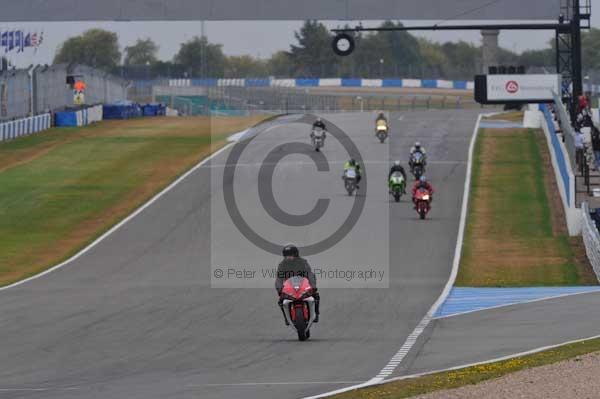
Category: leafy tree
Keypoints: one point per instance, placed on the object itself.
(245, 66)
(96, 48)
(590, 43)
(463, 59)
(143, 52)
(538, 58)
(432, 57)
(313, 55)
(201, 58)
(280, 64)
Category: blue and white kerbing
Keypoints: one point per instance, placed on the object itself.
(327, 82)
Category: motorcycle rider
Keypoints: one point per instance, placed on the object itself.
(352, 164)
(381, 118)
(397, 167)
(293, 265)
(417, 148)
(318, 124)
(422, 183)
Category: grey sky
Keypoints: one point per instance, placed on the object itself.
(238, 37)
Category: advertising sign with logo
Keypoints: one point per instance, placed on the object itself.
(522, 87)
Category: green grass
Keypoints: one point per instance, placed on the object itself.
(61, 189)
(510, 239)
(470, 375)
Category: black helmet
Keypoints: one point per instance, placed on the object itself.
(352, 162)
(290, 250)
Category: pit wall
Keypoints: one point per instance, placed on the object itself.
(563, 172)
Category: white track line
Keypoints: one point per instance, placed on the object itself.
(121, 223)
(243, 384)
(36, 389)
(412, 338)
(498, 359)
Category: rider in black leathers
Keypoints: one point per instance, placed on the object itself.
(319, 124)
(293, 265)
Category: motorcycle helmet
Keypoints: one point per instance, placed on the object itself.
(290, 250)
(352, 162)
(396, 163)
(423, 179)
(418, 145)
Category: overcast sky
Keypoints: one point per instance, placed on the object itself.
(255, 38)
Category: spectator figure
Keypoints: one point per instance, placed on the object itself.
(596, 146)
(583, 104)
(595, 214)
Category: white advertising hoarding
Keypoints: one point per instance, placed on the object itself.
(522, 87)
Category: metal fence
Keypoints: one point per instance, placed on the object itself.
(14, 94)
(305, 99)
(591, 239)
(42, 89)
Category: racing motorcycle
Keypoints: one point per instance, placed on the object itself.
(318, 138)
(299, 305)
(422, 201)
(397, 185)
(350, 180)
(381, 131)
(418, 165)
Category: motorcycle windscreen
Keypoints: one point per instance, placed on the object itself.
(351, 173)
(397, 177)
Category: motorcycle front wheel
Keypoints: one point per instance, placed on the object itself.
(300, 324)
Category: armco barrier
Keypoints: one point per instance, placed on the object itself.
(121, 111)
(327, 82)
(24, 127)
(83, 117)
(591, 239)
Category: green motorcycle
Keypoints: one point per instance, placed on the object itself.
(397, 185)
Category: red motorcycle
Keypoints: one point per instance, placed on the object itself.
(422, 200)
(299, 305)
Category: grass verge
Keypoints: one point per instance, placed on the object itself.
(514, 237)
(61, 189)
(471, 375)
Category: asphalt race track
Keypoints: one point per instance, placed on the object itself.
(136, 316)
(505, 331)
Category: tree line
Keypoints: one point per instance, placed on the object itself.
(377, 55)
